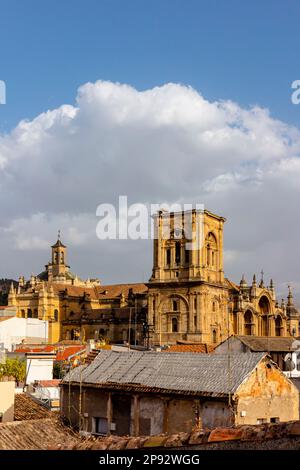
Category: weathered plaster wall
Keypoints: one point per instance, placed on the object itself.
(267, 394)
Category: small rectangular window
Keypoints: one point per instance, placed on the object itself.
(261, 420)
(274, 420)
(100, 426)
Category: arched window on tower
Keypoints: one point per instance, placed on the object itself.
(175, 305)
(174, 325)
(62, 258)
(211, 250)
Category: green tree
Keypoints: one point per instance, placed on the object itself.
(13, 368)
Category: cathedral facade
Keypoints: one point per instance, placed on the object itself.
(190, 299)
(79, 310)
(187, 298)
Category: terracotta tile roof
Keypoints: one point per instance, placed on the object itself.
(101, 292)
(48, 383)
(50, 434)
(64, 354)
(36, 434)
(115, 290)
(74, 291)
(26, 408)
(190, 348)
(47, 348)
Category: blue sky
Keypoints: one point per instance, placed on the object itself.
(173, 143)
(244, 51)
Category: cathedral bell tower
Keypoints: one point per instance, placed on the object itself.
(58, 264)
(188, 246)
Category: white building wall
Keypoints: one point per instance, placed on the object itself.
(38, 369)
(14, 330)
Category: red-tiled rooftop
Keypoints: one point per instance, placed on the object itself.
(190, 348)
(32, 349)
(26, 408)
(64, 354)
(48, 383)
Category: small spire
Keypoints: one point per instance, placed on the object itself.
(261, 285)
(243, 282)
(271, 284)
(12, 289)
(290, 302)
(58, 234)
(254, 280)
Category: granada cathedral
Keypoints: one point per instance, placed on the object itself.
(187, 298)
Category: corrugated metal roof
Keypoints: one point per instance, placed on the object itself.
(185, 372)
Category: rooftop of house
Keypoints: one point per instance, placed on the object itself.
(188, 373)
(27, 409)
(51, 434)
(268, 343)
(190, 348)
(36, 434)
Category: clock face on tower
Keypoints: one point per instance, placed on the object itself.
(178, 233)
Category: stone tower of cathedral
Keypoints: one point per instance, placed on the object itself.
(188, 296)
(189, 299)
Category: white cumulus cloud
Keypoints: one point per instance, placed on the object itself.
(163, 144)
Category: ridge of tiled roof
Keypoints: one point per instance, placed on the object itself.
(267, 343)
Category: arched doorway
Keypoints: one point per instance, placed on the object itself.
(248, 323)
